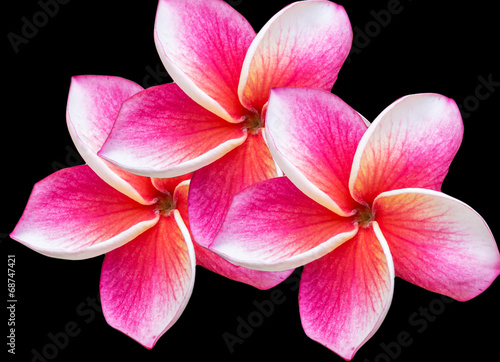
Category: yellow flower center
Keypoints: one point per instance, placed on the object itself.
(253, 123)
(165, 204)
(364, 216)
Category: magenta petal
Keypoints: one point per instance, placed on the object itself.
(345, 295)
(438, 242)
(303, 45)
(313, 136)
(273, 226)
(213, 187)
(211, 261)
(410, 144)
(161, 132)
(73, 214)
(256, 278)
(93, 104)
(146, 284)
(202, 45)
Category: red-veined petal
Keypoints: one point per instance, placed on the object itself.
(303, 45)
(437, 242)
(202, 45)
(410, 144)
(74, 214)
(313, 136)
(345, 295)
(93, 103)
(161, 132)
(146, 284)
(213, 187)
(273, 226)
(215, 263)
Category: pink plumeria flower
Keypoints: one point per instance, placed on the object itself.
(360, 206)
(139, 222)
(211, 120)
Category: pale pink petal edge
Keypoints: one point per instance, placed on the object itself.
(392, 276)
(356, 163)
(187, 85)
(181, 168)
(97, 164)
(94, 250)
(187, 237)
(297, 177)
(293, 262)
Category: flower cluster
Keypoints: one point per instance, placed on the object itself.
(249, 166)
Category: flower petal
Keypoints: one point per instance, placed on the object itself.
(345, 295)
(213, 187)
(93, 103)
(410, 144)
(438, 242)
(202, 45)
(259, 279)
(73, 214)
(273, 226)
(313, 135)
(169, 185)
(303, 45)
(160, 132)
(213, 262)
(147, 283)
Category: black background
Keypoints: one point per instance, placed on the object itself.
(423, 48)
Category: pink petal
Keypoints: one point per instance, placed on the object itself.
(345, 295)
(93, 103)
(213, 187)
(273, 226)
(73, 214)
(410, 144)
(170, 184)
(161, 132)
(202, 45)
(303, 45)
(438, 242)
(259, 279)
(213, 262)
(147, 283)
(313, 136)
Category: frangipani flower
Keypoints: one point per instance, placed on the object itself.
(369, 208)
(139, 222)
(211, 120)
